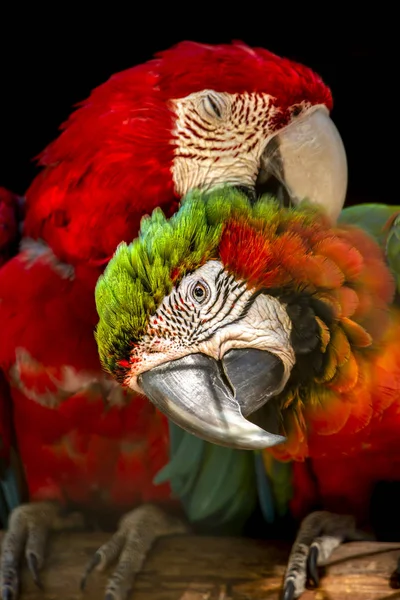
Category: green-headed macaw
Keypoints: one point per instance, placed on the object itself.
(273, 329)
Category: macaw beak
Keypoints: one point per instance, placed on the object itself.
(308, 159)
(211, 398)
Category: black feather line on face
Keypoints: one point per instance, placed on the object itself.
(302, 309)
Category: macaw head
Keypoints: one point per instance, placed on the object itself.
(196, 116)
(236, 317)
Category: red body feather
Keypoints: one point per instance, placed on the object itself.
(74, 448)
(110, 166)
(364, 450)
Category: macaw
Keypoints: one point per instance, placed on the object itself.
(196, 116)
(269, 328)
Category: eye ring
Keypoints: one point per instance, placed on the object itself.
(213, 106)
(200, 291)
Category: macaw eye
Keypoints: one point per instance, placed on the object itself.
(200, 292)
(213, 105)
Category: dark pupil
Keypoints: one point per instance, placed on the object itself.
(214, 106)
(199, 292)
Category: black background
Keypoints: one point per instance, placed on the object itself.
(51, 60)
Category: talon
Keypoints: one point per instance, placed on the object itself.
(319, 534)
(7, 594)
(93, 563)
(128, 547)
(312, 569)
(34, 570)
(288, 592)
(395, 577)
(394, 580)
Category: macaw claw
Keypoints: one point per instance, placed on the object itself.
(33, 566)
(129, 546)
(28, 529)
(31, 524)
(312, 566)
(27, 533)
(319, 534)
(395, 577)
(288, 592)
(92, 564)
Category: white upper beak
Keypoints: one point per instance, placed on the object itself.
(312, 161)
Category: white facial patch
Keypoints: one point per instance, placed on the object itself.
(219, 138)
(211, 312)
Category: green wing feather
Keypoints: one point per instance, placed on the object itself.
(217, 485)
(382, 222)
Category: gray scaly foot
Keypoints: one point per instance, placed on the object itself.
(27, 533)
(129, 546)
(320, 533)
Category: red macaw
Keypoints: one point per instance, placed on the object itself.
(196, 116)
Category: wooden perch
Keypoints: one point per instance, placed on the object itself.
(203, 568)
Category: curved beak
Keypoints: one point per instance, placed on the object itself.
(309, 160)
(209, 398)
